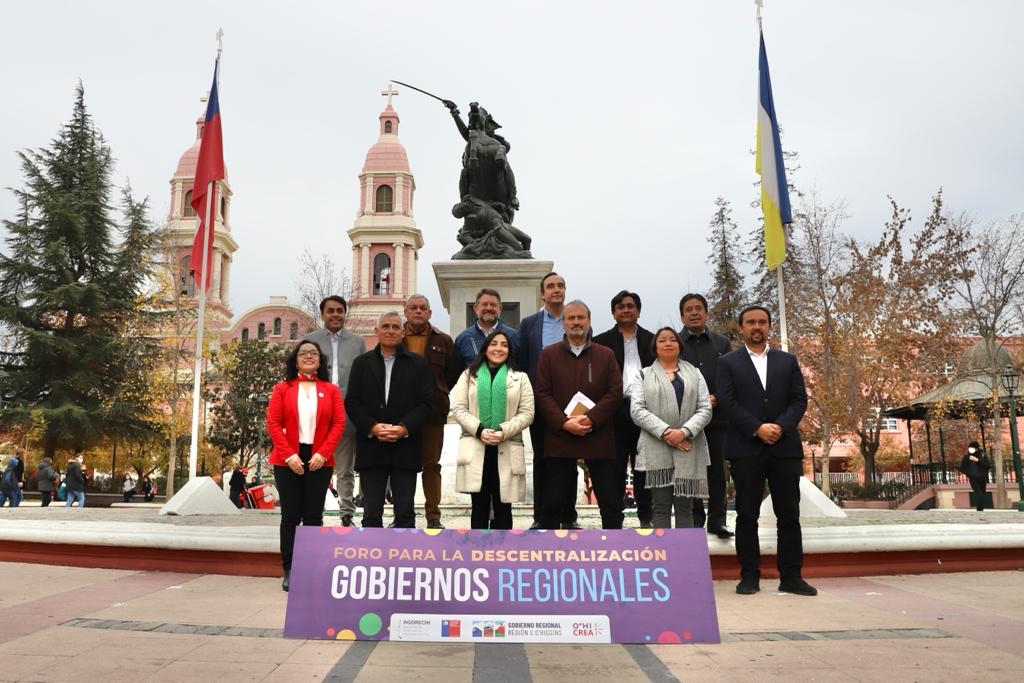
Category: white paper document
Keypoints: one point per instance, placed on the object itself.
(579, 404)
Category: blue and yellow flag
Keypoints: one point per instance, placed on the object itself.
(768, 164)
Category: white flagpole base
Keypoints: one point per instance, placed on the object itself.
(813, 503)
(200, 496)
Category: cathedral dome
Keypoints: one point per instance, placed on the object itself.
(387, 154)
(190, 157)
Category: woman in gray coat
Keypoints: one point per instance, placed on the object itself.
(493, 402)
(46, 480)
(669, 403)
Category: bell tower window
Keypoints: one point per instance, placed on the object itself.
(187, 210)
(387, 126)
(381, 275)
(385, 199)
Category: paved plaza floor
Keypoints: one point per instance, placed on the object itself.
(65, 623)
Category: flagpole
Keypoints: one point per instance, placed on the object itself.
(783, 332)
(197, 373)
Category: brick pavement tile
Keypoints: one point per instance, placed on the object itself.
(424, 655)
(568, 662)
(235, 649)
(318, 652)
(185, 670)
(124, 668)
(412, 674)
(289, 673)
(142, 644)
(795, 655)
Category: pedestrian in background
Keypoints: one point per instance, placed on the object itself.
(46, 480)
(975, 466)
(74, 484)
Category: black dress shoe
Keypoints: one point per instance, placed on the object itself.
(434, 524)
(346, 520)
(748, 586)
(572, 526)
(797, 587)
(536, 526)
(284, 582)
(721, 532)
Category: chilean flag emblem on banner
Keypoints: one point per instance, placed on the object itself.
(210, 168)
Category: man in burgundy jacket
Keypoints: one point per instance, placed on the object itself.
(577, 365)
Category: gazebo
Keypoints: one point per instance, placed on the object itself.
(967, 396)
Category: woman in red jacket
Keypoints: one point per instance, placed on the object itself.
(305, 418)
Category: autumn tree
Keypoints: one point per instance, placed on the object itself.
(987, 287)
(240, 382)
(822, 331)
(901, 314)
(728, 295)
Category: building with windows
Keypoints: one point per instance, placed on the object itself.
(385, 239)
(180, 232)
(276, 321)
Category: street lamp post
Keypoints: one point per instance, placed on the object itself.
(1011, 381)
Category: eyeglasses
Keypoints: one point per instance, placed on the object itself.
(309, 352)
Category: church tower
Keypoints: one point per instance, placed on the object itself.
(385, 239)
(181, 231)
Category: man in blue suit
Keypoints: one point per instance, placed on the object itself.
(536, 331)
(762, 392)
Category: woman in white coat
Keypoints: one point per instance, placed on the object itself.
(493, 402)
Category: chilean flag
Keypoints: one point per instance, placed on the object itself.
(209, 169)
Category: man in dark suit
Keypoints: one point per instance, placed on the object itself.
(632, 346)
(702, 349)
(536, 331)
(762, 393)
(390, 398)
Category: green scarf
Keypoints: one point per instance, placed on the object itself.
(490, 395)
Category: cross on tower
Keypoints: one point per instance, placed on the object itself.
(388, 93)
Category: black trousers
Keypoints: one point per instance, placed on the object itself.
(627, 435)
(488, 496)
(561, 483)
(302, 499)
(46, 496)
(374, 483)
(978, 485)
(568, 515)
(715, 516)
(783, 478)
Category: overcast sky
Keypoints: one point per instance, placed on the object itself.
(626, 119)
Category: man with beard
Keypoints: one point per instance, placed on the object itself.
(487, 310)
(702, 348)
(763, 395)
(633, 347)
(578, 430)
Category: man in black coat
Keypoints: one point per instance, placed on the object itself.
(762, 393)
(390, 398)
(702, 349)
(633, 349)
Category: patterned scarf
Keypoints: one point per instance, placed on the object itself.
(490, 395)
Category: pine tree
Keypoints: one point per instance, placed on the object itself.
(69, 293)
(727, 296)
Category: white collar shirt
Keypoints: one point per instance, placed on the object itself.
(760, 361)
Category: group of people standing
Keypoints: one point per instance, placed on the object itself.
(669, 403)
(48, 480)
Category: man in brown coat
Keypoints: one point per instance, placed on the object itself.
(563, 370)
(425, 340)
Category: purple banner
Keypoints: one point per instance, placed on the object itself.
(621, 586)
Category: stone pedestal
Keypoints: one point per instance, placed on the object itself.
(517, 280)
